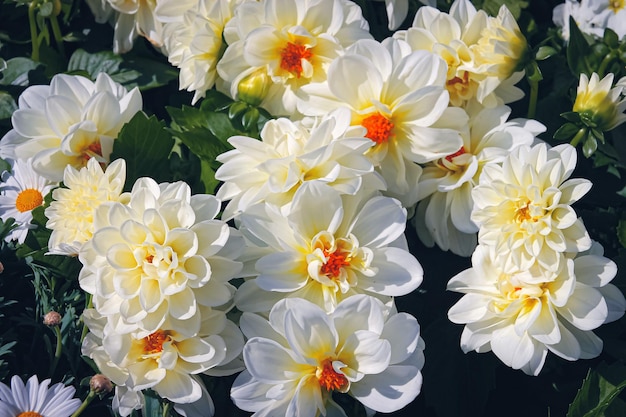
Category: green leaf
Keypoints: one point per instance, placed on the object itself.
(145, 145)
(610, 38)
(600, 388)
(590, 146)
(571, 116)
(17, 71)
(94, 63)
(621, 232)
(577, 50)
(545, 52)
(7, 105)
(566, 131)
(515, 6)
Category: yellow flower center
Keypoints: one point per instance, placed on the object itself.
(617, 5)
(28, 199)
(379, 128)
(94, 149)
(334, 262)
(329, 379)
(292, 56)
(29, 414)
(526, 212)
(153, 343)
(459, 85)
(450, 157)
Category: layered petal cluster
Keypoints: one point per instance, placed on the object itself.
(71, 213)
(521, 316)
(193, 41)
(68, 122)
(329, 247)
(591, 16)
(292, 42)
(298, 359)
(37, 398)
(130, 19)
(443, 215)
(22, 190)
(399, 97)
(165, 360)
(159, 257)
(291, 154)
(598, 103)
(523, 207)
(482, 52)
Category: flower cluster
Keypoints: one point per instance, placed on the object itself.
(263, 230)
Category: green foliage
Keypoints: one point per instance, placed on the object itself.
(577, 50)
(145, 144)
(493, 6)
(600, 389)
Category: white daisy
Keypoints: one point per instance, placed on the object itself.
(22, 191)
(37, 400)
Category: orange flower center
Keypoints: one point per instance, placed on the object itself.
(379, 128)
(153, 343)
(617, 5)
(92, 150)
(29, 414)
(28, 199)
(450, 157)
(292, 56)
(329, 379)
(334, 262)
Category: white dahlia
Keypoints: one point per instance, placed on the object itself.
(523, 207)
(159, 257)
(68, 122)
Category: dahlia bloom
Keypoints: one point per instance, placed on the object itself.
(22, 190)
(291, 154)
(475, 47)
(398, 96)
(68, 122)
(443, 215)
(162, 255)
(70, 214)
(192, 35)
(329, 247)
(164, 360)
(520, 316)
(598, 103)
(301, 356)
(293, 42)
(35, 399)
(523, 207)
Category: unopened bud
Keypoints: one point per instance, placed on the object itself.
(1, 267)
(254, 87)
(52, 319)
(100, 384)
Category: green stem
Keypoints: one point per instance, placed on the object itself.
(58, 351)
(582, 132)
(33, 31)
(532, 101)
(605, 64)
(58, 37)
(166, 409)
(88, 400)
(88, 304)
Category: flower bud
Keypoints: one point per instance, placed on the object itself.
(52, 319)
(598, 105)
(1, 267)
(100, 384)
(254, 87)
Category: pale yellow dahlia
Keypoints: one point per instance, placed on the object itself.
(159, 257)
(70, 214)
(523, 207)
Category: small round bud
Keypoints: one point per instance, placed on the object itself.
(254, 87)
(1, 267)
(100, 384)
(52, 319)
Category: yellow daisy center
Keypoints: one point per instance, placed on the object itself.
(28, 199)
(153, 343)
(617, 5)
(292, 56)
(379, 128)
(329, 379)
(29, 414)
